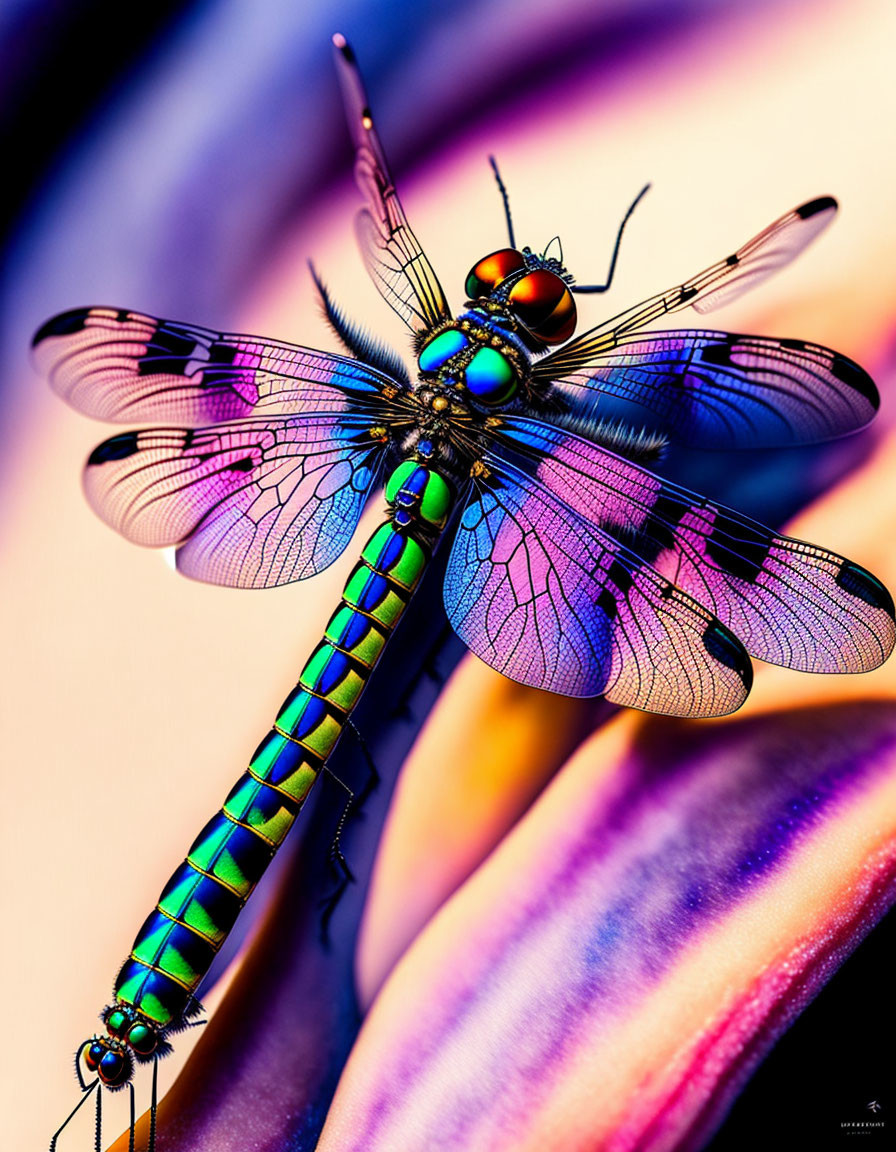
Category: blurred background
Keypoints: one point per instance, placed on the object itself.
(187, 159)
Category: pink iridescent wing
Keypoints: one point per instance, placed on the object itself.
(397, 264)
(714, 389)
(787, 601)
(551, 601)
(125, 366)
(249, 504)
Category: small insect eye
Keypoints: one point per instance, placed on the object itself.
(490, 377)
(484, 277)
(542, 302)
(92, 1054)
(115, 1068)
(142, 1039)
(117, 1023)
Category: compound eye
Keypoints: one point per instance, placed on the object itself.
(542, 302)
(441, 349)
(117, 1023)
(92, 1054)
(484, 277)
(490, 377)
(142, 1039)
(115, 1068)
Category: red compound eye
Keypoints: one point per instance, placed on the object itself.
(542, 302)
(484, 277)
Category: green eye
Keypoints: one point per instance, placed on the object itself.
(440, 350)
(490, 377)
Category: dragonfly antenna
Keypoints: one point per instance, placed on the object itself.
(505, 198)
(625, 219)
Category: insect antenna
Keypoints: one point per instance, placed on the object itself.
(505, 198)
(90, 1088)
(625, 219)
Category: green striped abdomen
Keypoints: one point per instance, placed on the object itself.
(200, 903)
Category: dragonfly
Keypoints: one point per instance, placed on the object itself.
(573, 566)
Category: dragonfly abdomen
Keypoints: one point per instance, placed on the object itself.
(199, 905)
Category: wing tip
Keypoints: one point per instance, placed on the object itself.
(724, 647)
(343, 48)
(858, 581)
(814, 207)
(854, 376)
(62, 324)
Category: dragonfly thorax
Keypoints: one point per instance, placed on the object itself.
(476, 357)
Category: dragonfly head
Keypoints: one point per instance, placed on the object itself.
(107, 1059)
(533, 288)
(130, 1036)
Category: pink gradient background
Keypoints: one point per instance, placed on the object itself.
(130, 698)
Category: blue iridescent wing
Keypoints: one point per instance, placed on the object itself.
(397, 264)
(712, 389)
(722, 390)
(124, 366)
(789, 602)
(556, 603)
(250, 504)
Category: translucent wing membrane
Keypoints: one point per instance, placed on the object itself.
(396, 262)
(722, 390)
(252, 504)
(553, 602)
(719, 284)
(125, 366)
(789, 602)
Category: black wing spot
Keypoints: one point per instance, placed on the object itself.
(724, 646)
(855, 377)
(813, 207)
(620, 576)
(733, 260)
(65, 324)
(168, 353)
(794, 345)
(116, 448)
(738, 547)
(687, 294)
(219, 353)
(606, 601)
(242, 465)
(718, 354)
(122, 315)
(859, 582)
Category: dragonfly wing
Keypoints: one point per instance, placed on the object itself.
(396, 262)
(773, 248)
(722, 390)
(555, 603)
(250, 504)
(126, 366)
(789, 602)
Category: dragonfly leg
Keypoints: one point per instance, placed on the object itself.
(153, 1106)
(340, 864)
(133, 1123)
(98, 1140)
(373, 776)
(90, 1088)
